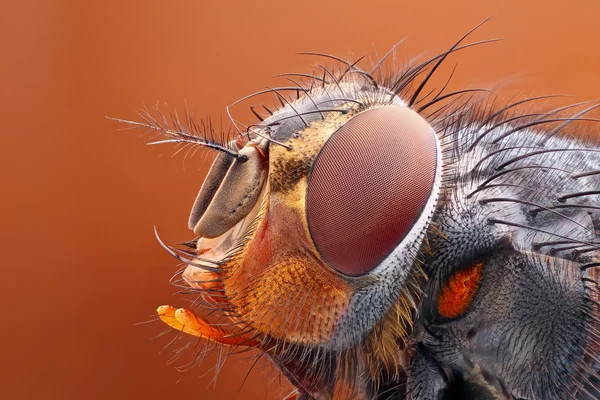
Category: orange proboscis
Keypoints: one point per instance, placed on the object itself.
(188, 322)
(458, 293)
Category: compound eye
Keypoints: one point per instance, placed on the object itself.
(368, 187)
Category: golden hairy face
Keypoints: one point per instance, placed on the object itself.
(313, 220)
(322, 229)
(308, 226)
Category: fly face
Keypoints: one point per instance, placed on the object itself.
(308, 228)
(313, 231)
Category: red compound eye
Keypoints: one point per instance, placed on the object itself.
(369, 185)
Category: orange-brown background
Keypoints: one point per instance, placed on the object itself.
(79, 198)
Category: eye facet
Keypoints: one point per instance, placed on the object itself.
(369, 185)
(458, 293)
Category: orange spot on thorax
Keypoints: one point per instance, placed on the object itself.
(458, 293)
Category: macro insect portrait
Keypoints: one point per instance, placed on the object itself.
(376, 237)
(330, 200)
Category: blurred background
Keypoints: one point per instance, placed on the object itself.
(79, 199)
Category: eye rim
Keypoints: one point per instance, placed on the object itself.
(415, 232)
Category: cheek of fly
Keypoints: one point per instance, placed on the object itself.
(458, 293)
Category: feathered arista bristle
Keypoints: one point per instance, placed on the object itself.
(189, 133)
